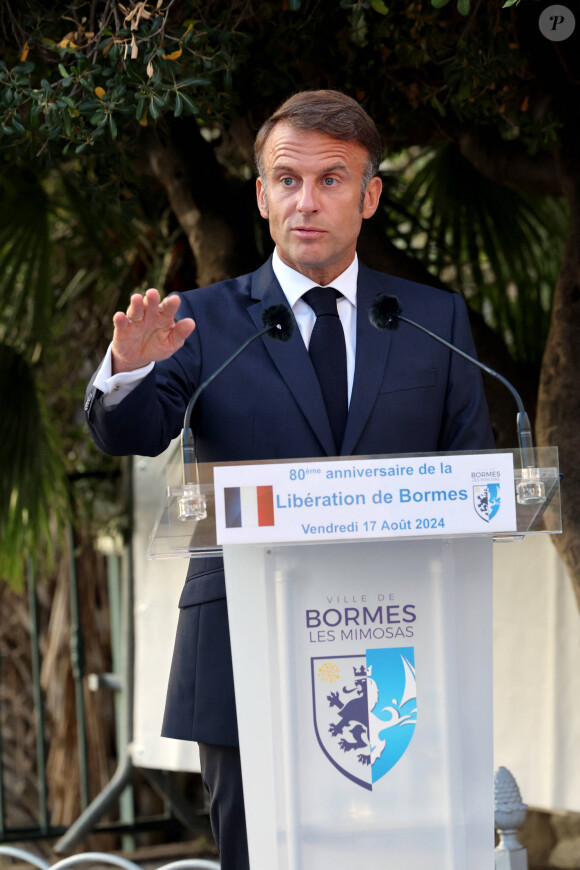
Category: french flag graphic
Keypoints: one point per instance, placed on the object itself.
(249, 506)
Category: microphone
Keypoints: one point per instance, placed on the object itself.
(385, 313)
(277, 324)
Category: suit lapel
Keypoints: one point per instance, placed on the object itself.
(372, 349)
(291, 358)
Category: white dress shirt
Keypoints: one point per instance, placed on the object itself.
(293, 284)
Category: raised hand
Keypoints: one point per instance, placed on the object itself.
(148, 331)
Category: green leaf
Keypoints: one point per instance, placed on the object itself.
(178, 105)
(380, 7)
(24, 68)
(188, 102)
(438, 105)
(112, 127)
(439, 4)
(63, 71)
(153, 108)
(465, 89)
(192, 82)
(34, 118)
(463, 6)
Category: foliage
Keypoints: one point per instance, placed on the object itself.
(463, 6)
(31, 484)
(77, 76)
(81, 85)
(84, 85)
(64, 243)
(499, 247)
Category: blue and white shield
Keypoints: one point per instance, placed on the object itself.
(486, 500)
(365, 710)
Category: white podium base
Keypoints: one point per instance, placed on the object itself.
(402, 630)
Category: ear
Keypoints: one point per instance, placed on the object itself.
(372, 196)
(261, 198)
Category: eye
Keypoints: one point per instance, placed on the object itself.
(287, 181)
(330, 182)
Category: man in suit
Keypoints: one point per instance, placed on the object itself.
(383, 392)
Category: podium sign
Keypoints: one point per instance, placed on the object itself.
(371, 498)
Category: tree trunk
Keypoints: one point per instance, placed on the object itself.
(205, 205)
(558, 412)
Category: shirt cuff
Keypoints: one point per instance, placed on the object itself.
(115, 387)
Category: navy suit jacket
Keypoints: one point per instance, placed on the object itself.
(410, 395)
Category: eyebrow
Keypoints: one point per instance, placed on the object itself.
(334, 167)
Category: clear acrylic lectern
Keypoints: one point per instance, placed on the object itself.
(360, 605)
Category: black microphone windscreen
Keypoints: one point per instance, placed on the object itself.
(278, 319)
(383, 312)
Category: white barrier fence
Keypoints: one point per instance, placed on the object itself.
(101, 858)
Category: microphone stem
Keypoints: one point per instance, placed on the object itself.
(523, 423)
(188, 445)
(188, 457)
(201, 388)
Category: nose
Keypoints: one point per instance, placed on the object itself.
(307, 202)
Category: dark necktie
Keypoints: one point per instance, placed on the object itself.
(327, 351)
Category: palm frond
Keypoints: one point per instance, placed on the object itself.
(500, 247)
(25, 291)
(33, 489)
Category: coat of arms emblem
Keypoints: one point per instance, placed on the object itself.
(486, 500)
(365, 710)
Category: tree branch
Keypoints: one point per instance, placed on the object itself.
(509, 163)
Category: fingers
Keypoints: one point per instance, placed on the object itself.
(170, 306)
(148, 331)
(184, 328)
(139, 305)
(147, 307)
(148, 315)
(152, 304)
(120, 321)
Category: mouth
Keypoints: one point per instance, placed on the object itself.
(308, 232)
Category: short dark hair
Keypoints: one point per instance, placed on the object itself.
(330, 112)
